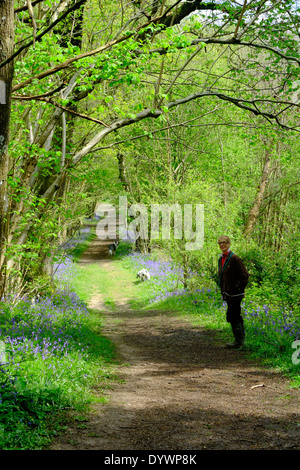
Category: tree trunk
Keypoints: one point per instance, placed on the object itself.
(6, 76)
(122, 172)
(254, 212)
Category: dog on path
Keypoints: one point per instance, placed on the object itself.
(112, 248)
(143, 275)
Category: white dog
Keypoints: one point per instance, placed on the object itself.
(143, 274)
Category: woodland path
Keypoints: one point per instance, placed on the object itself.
(181, 389)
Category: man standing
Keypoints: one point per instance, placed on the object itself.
(233, 278)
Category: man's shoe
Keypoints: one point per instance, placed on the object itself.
(234, 345)
(239, 336)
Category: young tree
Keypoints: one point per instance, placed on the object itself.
(6, 77)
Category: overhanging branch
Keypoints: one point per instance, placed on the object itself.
(162, 50)
(74, 7)
(240, 103)
(150, 113)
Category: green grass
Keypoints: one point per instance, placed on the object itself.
(93, 279)
(80, 248)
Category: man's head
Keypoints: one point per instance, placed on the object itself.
(224, 243)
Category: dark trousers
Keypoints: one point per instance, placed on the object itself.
(234, 312)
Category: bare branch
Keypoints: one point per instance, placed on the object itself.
(31, 14)
(57, 105)
(25, 7)
(240, 103)
(240, 19)
(150, 113)
(231, 41)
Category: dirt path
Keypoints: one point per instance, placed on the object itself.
(182, 390)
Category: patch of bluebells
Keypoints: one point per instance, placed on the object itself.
(64, 269)
(164, 284)
(156, 268)
(165, 275)
(166, 279)
(197, 297)
(79, 237)
(48, 329)
(281, 325)
(43, 334)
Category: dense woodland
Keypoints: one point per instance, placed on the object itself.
(160, 100)
(164, 102)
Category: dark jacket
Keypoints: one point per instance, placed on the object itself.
(233, 277)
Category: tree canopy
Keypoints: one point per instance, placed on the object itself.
(188, 100)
